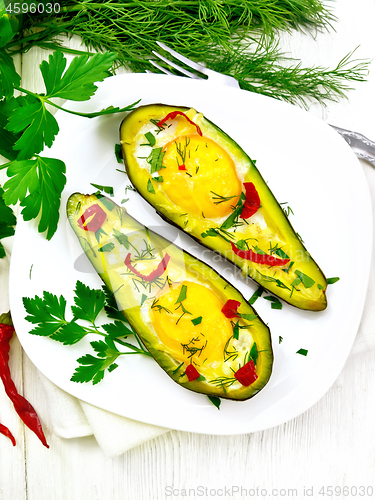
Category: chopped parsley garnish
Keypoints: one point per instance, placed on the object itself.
(104, 189)
(197, 321)
(215, 401)
(151, 139)
(304, 279)
(258, 292)
(150, 187)
(118, 153)
(108, 247)
(303, 352)
(280, 339)
(156, 159)
(276, 304)
(158, 178)
(232, 220)
(330, 281)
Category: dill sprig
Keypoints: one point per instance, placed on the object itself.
(235, 37)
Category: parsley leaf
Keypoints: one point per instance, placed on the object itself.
(276, 304)
(77, 83)
(48, 312)
(215, 401)
(88, 302)
(9, 78)
(7, 222)
(38, 127)
(306, 280)
(330, 281)
(303, 352)
(37, 184)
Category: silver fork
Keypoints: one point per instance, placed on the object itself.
(362, 147)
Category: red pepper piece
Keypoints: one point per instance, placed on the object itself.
(172, 116)
(246, 375)
(154, 274)
(182, 167)
(252, 201)
(4, 430)
(258, 258)
(192, 373)
(24, 409)
(230, 307)
(98, 217)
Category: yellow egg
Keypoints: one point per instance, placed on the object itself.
(200, 176)
(202, 343)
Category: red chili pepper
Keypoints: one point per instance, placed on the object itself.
(98, 217)
(246, 375)
(155, 273)
(259, 258)
(230, 307)
(172, 116)
(192, 373)
(252, 201)
(182, 167)
(24, 409)
(4, 430)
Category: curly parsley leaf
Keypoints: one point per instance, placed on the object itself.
(37, 184)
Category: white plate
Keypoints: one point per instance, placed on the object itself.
(305, 163)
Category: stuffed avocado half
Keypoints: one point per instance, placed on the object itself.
(200, 180)
(194, 323)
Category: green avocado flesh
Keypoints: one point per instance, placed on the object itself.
(201, 181)
(175, 303)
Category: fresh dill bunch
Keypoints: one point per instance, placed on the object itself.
(235, 37)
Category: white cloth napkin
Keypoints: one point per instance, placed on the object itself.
(72, 418)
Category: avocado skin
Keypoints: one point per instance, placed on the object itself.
(307, 299)
(196, 267)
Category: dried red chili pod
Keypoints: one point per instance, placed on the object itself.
(24, 409)
(92, 219)
(172, 116)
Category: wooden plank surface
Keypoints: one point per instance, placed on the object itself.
(332, 444)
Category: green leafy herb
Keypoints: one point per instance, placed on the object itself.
(108, 247)
(151, 139)
(156, 159)
(280, 339)
(258, 293)
(304, 279)
(303, 352)
(215, 401)
(197, 321)
(27, 126)
(118, 153)
(217, 198)
(254, 353)
(150, 187)
(232, 220)
(37, 184)
(158, 178)
(182, 294)
(7, 222)
(105, 189)
(276, 304)
(330, 281)
(238, 38)
(49, 314)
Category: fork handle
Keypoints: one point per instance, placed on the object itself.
(362, 146)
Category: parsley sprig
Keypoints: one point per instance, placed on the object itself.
(27, 126)
(48, 313)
